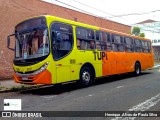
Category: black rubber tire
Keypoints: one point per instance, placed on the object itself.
(86, 77)
(137, 69)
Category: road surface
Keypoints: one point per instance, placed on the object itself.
(115, 93)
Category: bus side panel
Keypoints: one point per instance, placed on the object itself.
(150, 62)
(121, 62)
(144, 59)
(140, 58)
(97, 66)
(109, 64)
(89, 56)
(130, 61)
(137, 57)
(147, 60)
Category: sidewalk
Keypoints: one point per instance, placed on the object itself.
(10, 85)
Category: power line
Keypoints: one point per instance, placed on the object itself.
(94, 8)
(97, 10)
(101, 11)
(86, 12)
(140, 13)
(113, 16)
(77, 8)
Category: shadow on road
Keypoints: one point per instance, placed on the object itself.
(114, 78)
(59, 89)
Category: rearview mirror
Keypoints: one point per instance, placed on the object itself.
(8, 42)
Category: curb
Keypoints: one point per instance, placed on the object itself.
(6, 91)
(19, 88)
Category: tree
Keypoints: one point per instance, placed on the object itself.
(137, 32)
(142, 35)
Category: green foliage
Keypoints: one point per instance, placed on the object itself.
(137, 32)
(1, 87)
(142, 35)
(23, 87)
(15, 89)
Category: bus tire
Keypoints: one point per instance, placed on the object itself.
(86, 77)
(137, 69)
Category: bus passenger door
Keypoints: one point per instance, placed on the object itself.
(66, 68)
(62, 49)
(62, 71)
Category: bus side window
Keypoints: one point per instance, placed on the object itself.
(83, 45)
(121, 44)
(103, 41)
(86, 38)
(149, 46)
(138, 45)
(78, 44)
(117, 43)
(114, 45)
(65, 43)
(98, 40)
(109, 46)
(128, 44)
(144, 46)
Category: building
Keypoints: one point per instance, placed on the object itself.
(14, 11)
(151, 29)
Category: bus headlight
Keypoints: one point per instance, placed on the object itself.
(41, 69)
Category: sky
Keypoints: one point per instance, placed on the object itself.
(113, 9)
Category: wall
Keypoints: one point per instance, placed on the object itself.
(14, 11)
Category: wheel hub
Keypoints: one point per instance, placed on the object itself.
(137, 69)
(86, 76)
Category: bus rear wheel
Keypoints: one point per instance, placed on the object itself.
(137, 69)
(86, 77)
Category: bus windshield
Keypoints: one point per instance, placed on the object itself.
(31, 41)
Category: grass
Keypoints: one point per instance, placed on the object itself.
(1, 87)
(22, 87)
(15, 89)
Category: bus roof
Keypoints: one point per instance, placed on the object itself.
(72, 22)
(96, 28)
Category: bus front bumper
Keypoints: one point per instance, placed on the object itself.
(41, 78)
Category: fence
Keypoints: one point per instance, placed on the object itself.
(156, 50)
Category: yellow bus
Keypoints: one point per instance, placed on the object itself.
(52, 50)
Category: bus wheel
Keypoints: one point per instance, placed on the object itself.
(86, 77)
(137, 69)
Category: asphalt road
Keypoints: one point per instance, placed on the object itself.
(115, 93)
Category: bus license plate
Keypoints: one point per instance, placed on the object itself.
(24, 78)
